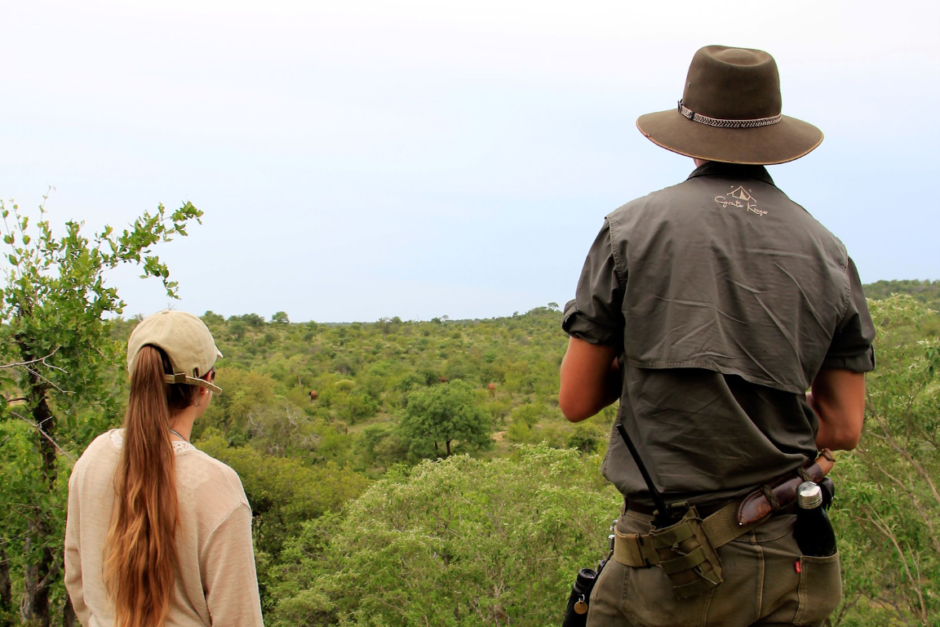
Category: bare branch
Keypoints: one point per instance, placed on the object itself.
(916, 465)
(44, 434)
(909, 490)
(883, 527)
(897, 608)
(848, 605)
(36, 374)
(38, 360)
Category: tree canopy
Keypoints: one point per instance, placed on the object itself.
(442, 414)
(457, 542)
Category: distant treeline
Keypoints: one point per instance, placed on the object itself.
(927, 292)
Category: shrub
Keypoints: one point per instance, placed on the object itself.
(457, 542)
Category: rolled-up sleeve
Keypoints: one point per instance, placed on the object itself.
(595, 314)
(851, 347)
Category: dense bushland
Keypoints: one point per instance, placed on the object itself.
(406, 472)
(459, 541)
(888, 514)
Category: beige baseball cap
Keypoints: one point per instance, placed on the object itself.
(185, 339)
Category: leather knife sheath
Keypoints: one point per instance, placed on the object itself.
(757, 506)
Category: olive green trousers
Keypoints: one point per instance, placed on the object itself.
(766, 582)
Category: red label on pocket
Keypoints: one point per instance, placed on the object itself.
(797, 567)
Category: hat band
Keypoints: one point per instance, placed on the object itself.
(719, 123)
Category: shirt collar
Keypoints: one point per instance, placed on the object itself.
(736, 170)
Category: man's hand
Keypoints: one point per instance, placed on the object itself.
(590, 379)
(838, 398)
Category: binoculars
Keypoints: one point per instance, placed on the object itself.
(576, 611)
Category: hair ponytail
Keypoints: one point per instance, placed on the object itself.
(140, 550)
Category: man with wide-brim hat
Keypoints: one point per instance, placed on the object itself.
(708, 309)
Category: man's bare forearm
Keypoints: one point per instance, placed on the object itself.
(590, 380)
(838, 399)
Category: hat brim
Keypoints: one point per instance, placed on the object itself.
(784, 141)
(186, 380)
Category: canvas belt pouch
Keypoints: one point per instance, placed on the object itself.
(686, 551)
(683, 551)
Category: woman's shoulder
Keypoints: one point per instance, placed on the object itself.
(97, 462)
(208, 476)
(108, 441)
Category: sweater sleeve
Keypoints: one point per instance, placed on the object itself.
(73, 555)
(228, 564)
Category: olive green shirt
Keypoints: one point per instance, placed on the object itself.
(725, 299)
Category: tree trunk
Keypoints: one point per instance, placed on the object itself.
(39, 575)
(68, 614)
(6, 585)
(448, 448)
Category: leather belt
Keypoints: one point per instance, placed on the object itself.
(768, 500)
(704, 510)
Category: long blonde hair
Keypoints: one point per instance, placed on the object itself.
(140, 550)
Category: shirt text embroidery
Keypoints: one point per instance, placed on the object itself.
(742, 199)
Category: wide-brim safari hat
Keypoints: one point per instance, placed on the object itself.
(731, 112)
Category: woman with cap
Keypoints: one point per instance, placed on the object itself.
(159, 533)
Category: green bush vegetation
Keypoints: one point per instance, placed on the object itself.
(888, 514)
(927, 292)
(459, 541)
(403, 472)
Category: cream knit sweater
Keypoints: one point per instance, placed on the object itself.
(216, 582)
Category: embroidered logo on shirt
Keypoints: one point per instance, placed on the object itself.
(741, 198)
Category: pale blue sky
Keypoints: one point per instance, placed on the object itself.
(365, 159)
